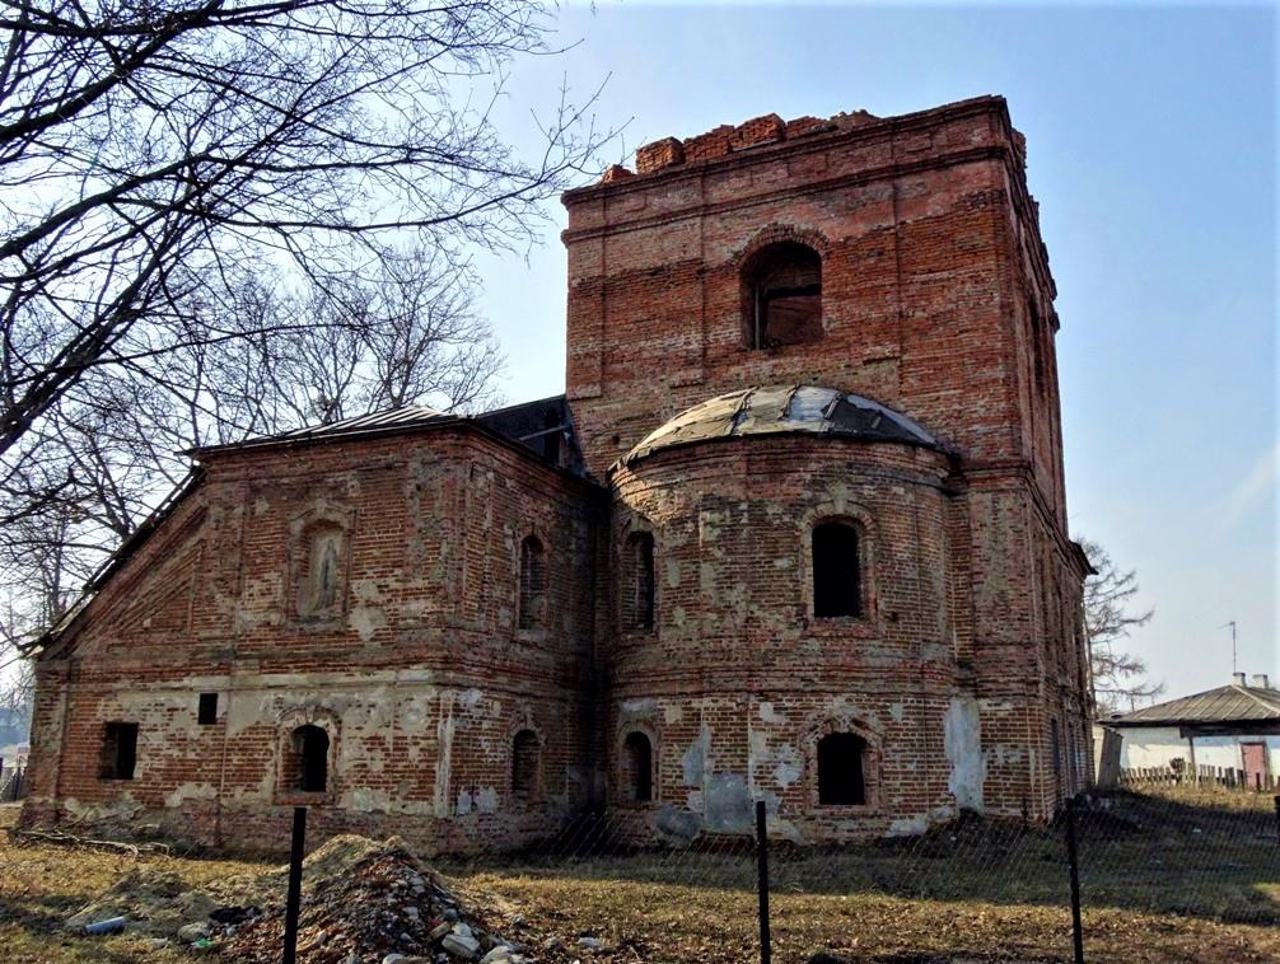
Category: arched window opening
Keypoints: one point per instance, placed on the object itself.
(784, 295)
(533, 583)
(321, 590)
(637, 767)
(837, 575)
(638, 598)
(525, 754)
(310, 763)
(841, 781)
(1036, 336)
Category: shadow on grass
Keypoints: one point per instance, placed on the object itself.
(31, 929)
(1142, 852)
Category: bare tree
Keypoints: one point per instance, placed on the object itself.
(114, 444)
(151, 153)
(1119, 677)
(410, 337)
(221, 218)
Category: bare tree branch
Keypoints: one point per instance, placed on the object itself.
(1119, 678)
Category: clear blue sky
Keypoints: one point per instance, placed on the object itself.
(1152, 150)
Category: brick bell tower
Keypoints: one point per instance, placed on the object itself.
(897, 258)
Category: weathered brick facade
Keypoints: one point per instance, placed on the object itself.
(494, 633)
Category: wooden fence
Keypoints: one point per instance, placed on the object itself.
(13, 783)
(1203, 775)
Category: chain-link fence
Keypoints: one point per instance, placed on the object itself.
(1164, 873)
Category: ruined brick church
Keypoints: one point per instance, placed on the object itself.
(796, 531)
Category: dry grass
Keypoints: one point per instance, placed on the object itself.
(42, 885)
(1142, 905)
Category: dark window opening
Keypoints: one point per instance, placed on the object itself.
(784, 296)
(533, 583)
(311, 758)
(1037, 348)
(639, 601)
(637, 766)
(119, 751)
(524, 766)
(837, 577)
(840, 777)
(208, 711)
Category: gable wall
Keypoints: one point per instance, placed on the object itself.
(423, 679)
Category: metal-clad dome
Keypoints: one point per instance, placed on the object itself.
(784, 409)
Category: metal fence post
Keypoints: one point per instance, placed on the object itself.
(1277, 803)
(294, 900)
(1077, 930)
(762, 886)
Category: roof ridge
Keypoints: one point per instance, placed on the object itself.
(1248, 691)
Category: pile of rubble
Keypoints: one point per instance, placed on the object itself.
(380, 908)
(363, 902)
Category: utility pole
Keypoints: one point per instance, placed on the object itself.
(1232, 624)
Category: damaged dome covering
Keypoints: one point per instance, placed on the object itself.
(784, 409)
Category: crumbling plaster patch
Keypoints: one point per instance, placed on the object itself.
(368, 612)
(962, 741)
(769, 714)
(190, 791)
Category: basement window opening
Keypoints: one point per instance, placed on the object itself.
(207, 712)
(841, 781)
(837, 579)
(637, 764)
(119, 757)
(525, 754)
(533, 583)
(311, 758)
(783, 285)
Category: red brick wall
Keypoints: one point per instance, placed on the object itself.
(937, 301)
(422, 682)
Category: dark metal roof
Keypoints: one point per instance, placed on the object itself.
(785, 409)
(396, 419)
(1226, 704)
(543, 427)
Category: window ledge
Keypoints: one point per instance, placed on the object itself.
(637, 804)
(860, 627)
(304, 798)
(846, 809)
(330, 622)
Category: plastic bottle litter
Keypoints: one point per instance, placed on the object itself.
(112, 925)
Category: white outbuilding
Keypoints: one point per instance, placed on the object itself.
(1230, 733)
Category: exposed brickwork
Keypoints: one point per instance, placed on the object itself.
(370, 587)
